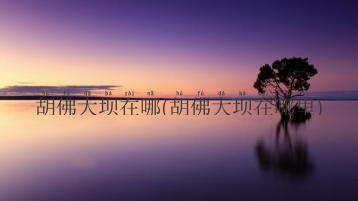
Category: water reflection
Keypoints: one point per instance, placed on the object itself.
(288, 155)
(177, 158)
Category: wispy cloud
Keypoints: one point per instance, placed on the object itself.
(26, 83)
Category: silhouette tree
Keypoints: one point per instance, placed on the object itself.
(285, 79)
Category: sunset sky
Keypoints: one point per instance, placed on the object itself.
(174, 45)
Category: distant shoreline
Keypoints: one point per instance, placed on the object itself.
(162, 98)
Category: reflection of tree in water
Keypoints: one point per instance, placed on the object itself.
(288, 156)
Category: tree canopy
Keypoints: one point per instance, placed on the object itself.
(285, 78)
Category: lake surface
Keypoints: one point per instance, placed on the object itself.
(236, 157)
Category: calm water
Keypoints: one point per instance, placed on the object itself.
(177, 158)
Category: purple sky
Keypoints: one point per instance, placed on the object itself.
(233, 36)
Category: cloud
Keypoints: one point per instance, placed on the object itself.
(75, 89)
(25, 83)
